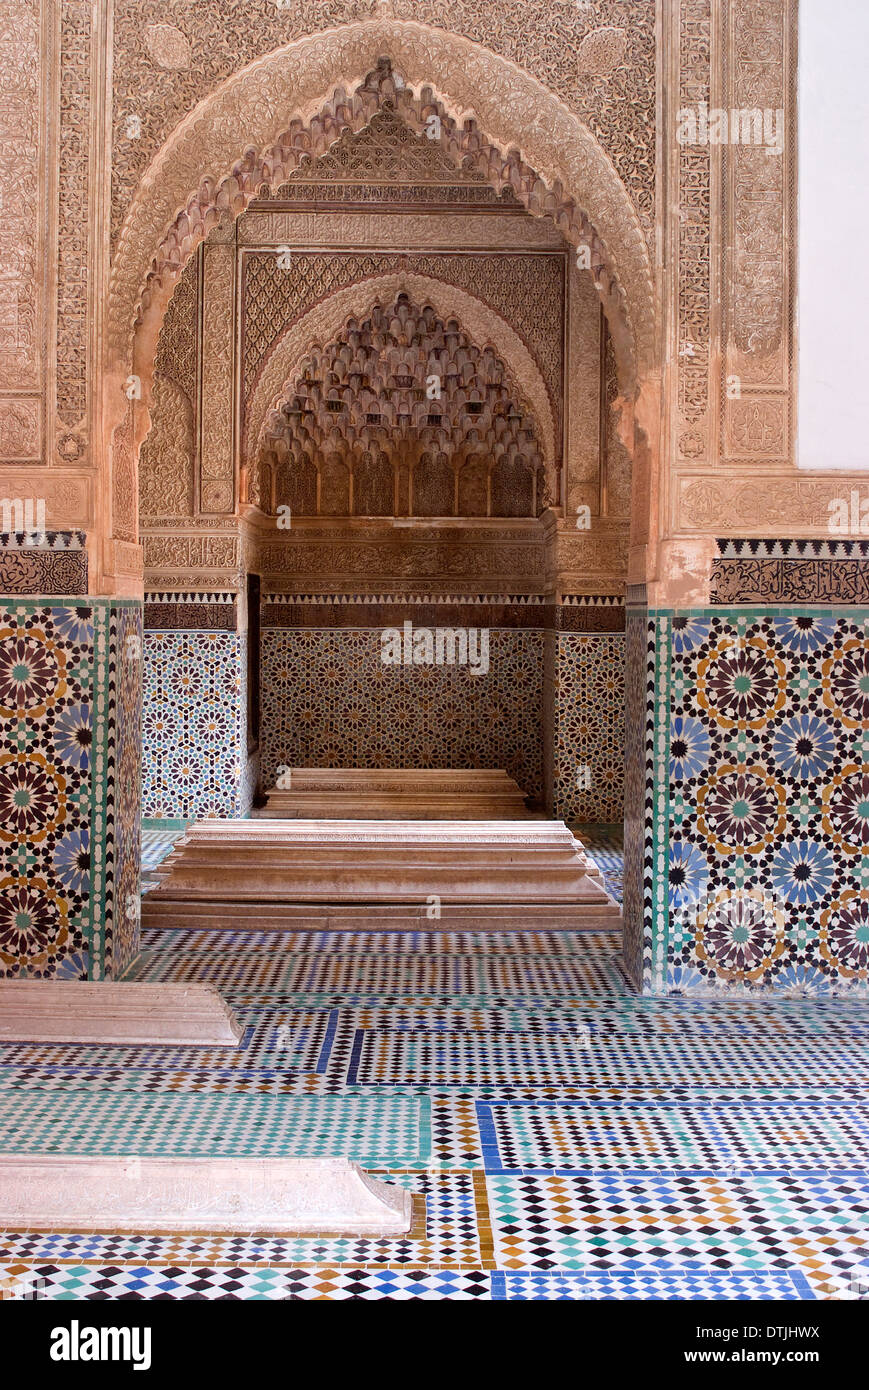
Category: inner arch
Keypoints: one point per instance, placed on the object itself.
(401, 414)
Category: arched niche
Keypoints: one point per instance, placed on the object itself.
(494, 112)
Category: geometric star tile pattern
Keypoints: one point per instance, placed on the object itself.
(714, 1136)
(763, 796)
(69, 832)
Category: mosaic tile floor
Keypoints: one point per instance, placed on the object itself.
(606, 845)
(563, 1138)
(156, 844)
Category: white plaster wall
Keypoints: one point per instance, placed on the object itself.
(833, 247)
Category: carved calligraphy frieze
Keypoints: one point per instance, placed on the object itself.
(414, 230)
(20, 429)
(783, 506)
(694, 286)
(193, 552)
(789, 581)
(420, 560)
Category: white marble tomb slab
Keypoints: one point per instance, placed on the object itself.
(81, 1011)
(269, 1196)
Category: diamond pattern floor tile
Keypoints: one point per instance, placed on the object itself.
(563, 1138)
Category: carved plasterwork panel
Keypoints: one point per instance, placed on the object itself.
(558, 129)
(734, 185)
(582, 464)
(275, 295)
(67, 496)
(758, 208)
(758, 428)
(417, 230)
(176, 355)
(384, 152)
(597, 58)
(782, 506)
(19, 194)
(166, 456)
(694, 287)
(583, 560)
(217, 490)
(571, 170)
(73, 194)
(434, 562)
(167, 47)
(617, 460)
(124, 480)
(525, 291)
(192, 552)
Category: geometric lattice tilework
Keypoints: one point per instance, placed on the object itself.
(328, 700)
(699, 1285)
(563, 1137)
(194, 750)
(590, 726)
(68, 691)
(48, 765)
(638, 910)
(125, 788)
(766, 794)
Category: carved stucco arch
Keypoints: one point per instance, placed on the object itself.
(255, 106)
(513, 112)
(324, 320)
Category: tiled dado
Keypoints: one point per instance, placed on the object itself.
(194, 725)
(328, 700)
(69, 786)
(750, 856)
(589, 720)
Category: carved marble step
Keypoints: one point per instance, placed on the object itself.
(78, 1011)
(220, 915)
(244, 1196)
(395, 793)
(325, 831)
(508, 866)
